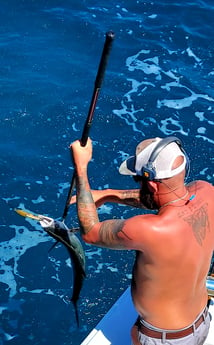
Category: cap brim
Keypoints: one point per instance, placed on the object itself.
(128, 166)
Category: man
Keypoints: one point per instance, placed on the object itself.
(174, 245)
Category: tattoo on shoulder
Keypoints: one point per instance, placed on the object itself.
(199, 222)
(110, 229)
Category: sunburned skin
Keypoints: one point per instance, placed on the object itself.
(174, 247)
(199, 222)
(129, 197)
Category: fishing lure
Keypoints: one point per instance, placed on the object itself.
(61, 233)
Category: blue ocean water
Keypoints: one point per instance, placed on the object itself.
(159, 81)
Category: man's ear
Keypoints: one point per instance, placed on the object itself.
(153, 187)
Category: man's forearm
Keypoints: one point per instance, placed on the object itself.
(87, 212)
(130, 197)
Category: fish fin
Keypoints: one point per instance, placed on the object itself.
(53, 246)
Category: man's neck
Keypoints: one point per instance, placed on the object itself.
(168, 195)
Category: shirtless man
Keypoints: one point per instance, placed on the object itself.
(173, 246)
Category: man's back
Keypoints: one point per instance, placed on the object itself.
(169, 275)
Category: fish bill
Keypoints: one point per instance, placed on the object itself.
(27, 214)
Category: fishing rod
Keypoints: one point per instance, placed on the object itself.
(97, 85)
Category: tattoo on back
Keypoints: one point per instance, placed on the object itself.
(199, 222)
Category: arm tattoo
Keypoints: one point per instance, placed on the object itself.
(199, 222)
(132, 198)
(109, 231)
(87, 212)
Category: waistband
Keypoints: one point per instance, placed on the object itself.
(171, 334)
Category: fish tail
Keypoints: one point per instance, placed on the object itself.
(76, 312)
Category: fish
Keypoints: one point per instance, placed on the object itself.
(61, 233)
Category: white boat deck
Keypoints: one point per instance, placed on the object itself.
(114, 328)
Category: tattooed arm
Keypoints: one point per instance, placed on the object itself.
(129, 197)
(108, 233)
(86, 207)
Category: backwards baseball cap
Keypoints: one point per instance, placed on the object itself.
(155, 160)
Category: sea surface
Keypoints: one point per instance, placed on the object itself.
(159, 81)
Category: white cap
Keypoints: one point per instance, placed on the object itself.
(161, 164)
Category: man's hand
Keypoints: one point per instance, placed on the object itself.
(81, 154)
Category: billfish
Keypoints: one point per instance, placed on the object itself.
(60, 232)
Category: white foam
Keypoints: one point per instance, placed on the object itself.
(14, 249)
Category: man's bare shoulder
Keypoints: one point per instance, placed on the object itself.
(143, 219)
(144, 225)
(201, 184)
(147, 230)
(203, 189)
